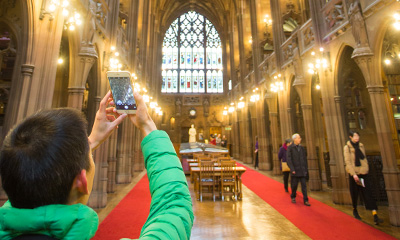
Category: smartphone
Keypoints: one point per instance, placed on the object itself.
(122, 91)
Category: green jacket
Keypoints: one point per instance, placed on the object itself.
(171, 214)
(67, 222)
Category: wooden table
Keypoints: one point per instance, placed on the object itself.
(195, 174)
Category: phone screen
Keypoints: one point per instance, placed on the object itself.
(122, 93)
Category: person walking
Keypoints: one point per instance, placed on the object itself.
(297, 161)
(256, 152)
(284, 166)
(359, 179)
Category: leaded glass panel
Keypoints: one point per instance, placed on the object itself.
(191, 48)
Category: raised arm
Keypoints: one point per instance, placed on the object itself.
(171, 214)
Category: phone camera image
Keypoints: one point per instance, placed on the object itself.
(122, 93)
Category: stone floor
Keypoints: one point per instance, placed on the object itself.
(251, 218)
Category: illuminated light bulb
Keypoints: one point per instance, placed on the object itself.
(72, 27)
(120, 65)
(313, 53)
(318, 61)
(116, 54)
(396, 16)
(311, 65)
(133, 74)
(321, 49)
(78, 22)
(65, 12)
(225, 112)
(397, 25)
(398, 55)
(77, 16)
(160, 113)
(251, 41)
(153, 105)
(311, 71)
(266, 16)
(391, 99)
(388, 62)
(317, 66)
(231, 109)
(135, 77)
(279, 75)
(325, 65)
(324, 60)
(112, 48)
(71, 19)
(65, 3)
(256, 89)
(275, 77)
(225, 108)
(52, 7)
(318, 87)
(232, 104)
(60, 61)
(144, 90)
(146, 98)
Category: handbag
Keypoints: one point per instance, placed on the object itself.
(285, 167)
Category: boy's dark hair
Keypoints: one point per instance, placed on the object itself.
(41, 157)
(351, 133)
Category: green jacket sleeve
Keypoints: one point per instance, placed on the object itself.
(171, 214)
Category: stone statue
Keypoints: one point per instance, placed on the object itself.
(206, 105)
(192, 134)
(358, 25)
(178, 107)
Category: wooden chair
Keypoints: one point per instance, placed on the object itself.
(201, 159)
(228, 178)
(198, 155)
(207, 178)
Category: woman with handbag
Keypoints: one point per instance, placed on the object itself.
(359, 180)
(284, 166)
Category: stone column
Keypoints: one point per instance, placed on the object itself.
(79, 72)
(275, 133)
(112, 161)
(246, 148)
(369, 66)
(313, 167)
(255, 47)
(263, 140)
(235, 138)
(123, 174)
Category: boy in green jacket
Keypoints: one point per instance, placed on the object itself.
(47, 171)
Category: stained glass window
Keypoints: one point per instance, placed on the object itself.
(192, 54)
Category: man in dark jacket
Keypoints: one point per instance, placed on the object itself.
(297, 161)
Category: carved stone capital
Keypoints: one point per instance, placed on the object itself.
(76, 90)
(88, 51)
(27, 69)
(306, 106)
(337, 99)
(377, 89)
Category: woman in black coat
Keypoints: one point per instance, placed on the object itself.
(282, 159)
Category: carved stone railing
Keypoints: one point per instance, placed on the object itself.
(287, 48)
(306, 37)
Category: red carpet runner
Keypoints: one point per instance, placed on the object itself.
(319, 221)
(128, 217)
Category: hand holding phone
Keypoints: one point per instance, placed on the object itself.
(122, 91)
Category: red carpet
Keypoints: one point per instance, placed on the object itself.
(128, 217)
(319, 221)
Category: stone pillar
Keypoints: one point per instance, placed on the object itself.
(246, 148)
(112, 161)
(263, 140)
(79, 72)
(255, 47)
(236, 135)
(369, 66)
(313, 167)
(242, 54)
(275, 133)
(98, 197)
(123, 174)
(336, 138)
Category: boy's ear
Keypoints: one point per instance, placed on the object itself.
(80, 182)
